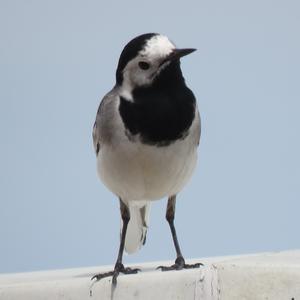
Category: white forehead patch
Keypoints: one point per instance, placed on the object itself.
(158, 45)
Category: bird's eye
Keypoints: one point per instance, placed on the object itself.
(144, 65)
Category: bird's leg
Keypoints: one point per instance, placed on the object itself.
(119, 267)
(179, 262)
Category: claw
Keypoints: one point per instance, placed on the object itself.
(131, 271)
(193, 266)
(102, 275)
(115, 273)
(177, 266)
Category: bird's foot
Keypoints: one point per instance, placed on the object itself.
(119, 268)
(179, 265)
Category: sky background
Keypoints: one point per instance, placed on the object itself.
(58, 59)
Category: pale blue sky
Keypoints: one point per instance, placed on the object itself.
(57, 60)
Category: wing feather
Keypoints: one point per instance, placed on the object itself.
(103, 127)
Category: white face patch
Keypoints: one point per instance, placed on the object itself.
(154, 52)
(157, 46)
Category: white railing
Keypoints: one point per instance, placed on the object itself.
(272, 276)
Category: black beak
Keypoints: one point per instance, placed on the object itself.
(178, 53)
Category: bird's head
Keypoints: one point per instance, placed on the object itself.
(145, 58)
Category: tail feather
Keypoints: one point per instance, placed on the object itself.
(137, 228)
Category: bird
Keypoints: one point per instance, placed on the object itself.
(145, 136)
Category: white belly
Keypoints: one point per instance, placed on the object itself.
(136, 172)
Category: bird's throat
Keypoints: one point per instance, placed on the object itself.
(158, 114)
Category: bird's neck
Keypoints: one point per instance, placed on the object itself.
(170, 77)
(165, 84)
(160, 113)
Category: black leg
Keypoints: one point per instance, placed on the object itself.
(119, 267)
(179, 262)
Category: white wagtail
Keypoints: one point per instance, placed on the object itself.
(146, 135)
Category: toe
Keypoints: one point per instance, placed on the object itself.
(193, 266)
(102, 275)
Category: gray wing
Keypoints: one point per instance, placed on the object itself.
(96, 138)
(196, 128)
(103, 126)
(198, 131)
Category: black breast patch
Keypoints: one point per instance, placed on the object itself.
(160, 116)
